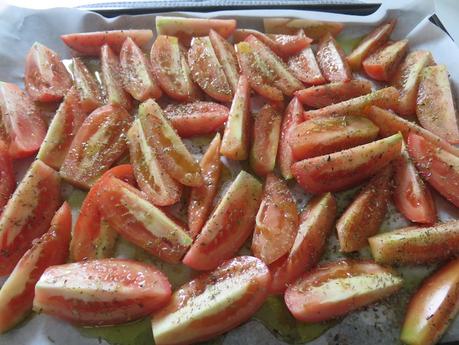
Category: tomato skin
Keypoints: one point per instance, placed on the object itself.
(347, 168)
(229, 225)
(315, 297)
(305, 68)
(243, 282)
(101, 292)
(314, 29)
(383, 63)
(432, 307)
(8, 181)
(86, 85)
(332, 60)
(28, 213)
(20, 118)
(88, 157)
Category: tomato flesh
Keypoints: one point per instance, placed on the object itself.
(304, 66)
(382, 64)
(86, 85)
(332, 60)
(315, 29)
(8, 181)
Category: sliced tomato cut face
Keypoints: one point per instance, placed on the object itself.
(46, 78)
(8, 181)
(344, 169)
(229, 225)
(16, 295)
(305, 68)
(337, 288)
(128, 211)
(28, 213)
(205, 307)
(86, 85)
(416, 245)
(196, 118)
(22, 126)
(332, 60)
(101, 292)
(90, 43)
(315, 29)
(136, 72)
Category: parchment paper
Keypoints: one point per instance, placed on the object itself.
(378, 324)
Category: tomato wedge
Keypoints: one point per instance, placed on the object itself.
(235, 142)
(229, 225)
(136, 72)
(314, 29)
(323, 135)
(305, 68)
(436, 166)
(411, 196)
(416, 245)
(93, 237)
(21, 125)
(201, 198)
(28, 213)
(292, 117)
(63, 128)
(101, 292)
(383, 63)
(433, 307)
(86, 85)
(365, 214)
(207, 71)
(213, 303)
(265, 140)
(16, 295)
(46, 79)
(435, 104)
(337, 288)
(160, 188)
(332, 60)
(372, 41)
(344, 169)
(98, 144)
(196, 118)
(8, 181)
(316, 223)
(325, 95)
(169, 148)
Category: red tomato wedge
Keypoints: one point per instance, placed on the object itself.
(314, 29)
(436, 166)
(98, 144)
(90, 43)
(265, 140)
(213, 303)
(365, 214)
(375, 39)
(323, 135)
(171, 69)
(435, 104)
(316, 224)
(196, 118)
(332, 60)
(17, 293)
(411, 196)
(160, 188)
(8, 181)
(325, 95)
(28, 213)
(86, 85)
(136, 72)
(384, 98)
(235, 142)
(169, 148)
(207, 71)
(112, 79)
(344, 169)
(21, 125)
(416, 245)
(93, 237)
(305, 68)
(201, 198)
(337, 288)
(187, 28)
(229, 225)
(382, 64)
(101, 292)
(63, 128)
(46, 79)
(293, 116)
(406, 80)
(276, 223)
(128, 211)
(433, 307)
